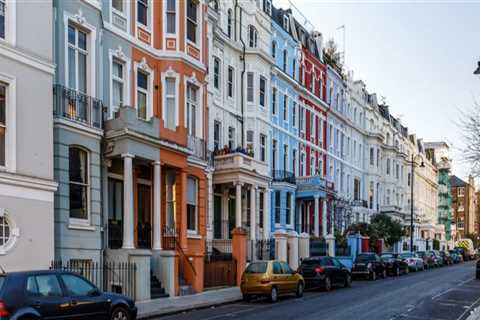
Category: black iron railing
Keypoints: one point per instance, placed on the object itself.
(76, 106)
(283, 176)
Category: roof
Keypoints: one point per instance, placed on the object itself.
(457, 182)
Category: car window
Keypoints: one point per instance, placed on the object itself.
(48, 286)
(377, 258)
(2, 281)
(257, 267)
(32, 288)
(286, 268)
(337, 263)
(364, 258)
(77, 286)
(277, 268)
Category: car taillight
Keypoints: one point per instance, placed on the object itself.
(319, 269)
(265, 281)
(3, 310)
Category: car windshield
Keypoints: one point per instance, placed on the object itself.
(387, 256)
(406, 255)
(365, 258)
(314, 261)
(421, 254)
(2, 280)
(257, 267)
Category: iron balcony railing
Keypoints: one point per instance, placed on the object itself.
(283, 176)
(76, 106)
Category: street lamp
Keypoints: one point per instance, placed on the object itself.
(477, 71)
(422, 165)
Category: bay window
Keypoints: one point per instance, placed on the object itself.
(192, 20)
(192, 220)
(252, 36)
(142, 12)
(250, 87)
(78, 184)
(142, 95)
(170, 103)
(77, 59)
(192, 107)
(171, 16)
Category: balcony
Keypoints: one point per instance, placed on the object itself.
(239, 160)
(311, 183)
(360, 203)
(197, 146)
(77, 107)
(283, 176)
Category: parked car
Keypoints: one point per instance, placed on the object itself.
(439, 261)
(369, 265)
(428, 259)
(447, 258)
(462, 251)
(415, 263)
(59, 295)
(477, 273)
(272, 279)
(395, 264)
(456, 256)
(325, 272)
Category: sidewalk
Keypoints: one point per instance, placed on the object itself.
(165, 306)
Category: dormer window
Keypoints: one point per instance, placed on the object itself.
(252, 36)
(268, 7)
(286, 23)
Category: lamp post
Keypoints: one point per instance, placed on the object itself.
(422, 165)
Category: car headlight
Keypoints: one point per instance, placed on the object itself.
(369, 265)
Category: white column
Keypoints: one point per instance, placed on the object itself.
(316, 218)
(266, 214)
(157, 192)
(332, 220)
(257, 214)
(128, 228)
(225, 218)
(324, 218)
(238, 205)
(253, 213)
(209, 206)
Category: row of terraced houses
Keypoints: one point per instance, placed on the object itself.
(176, 134)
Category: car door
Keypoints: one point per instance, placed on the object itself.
(278, 278)
(378, 265)
(290, 279)
(45, 295)
(86, 300)
(340, 272)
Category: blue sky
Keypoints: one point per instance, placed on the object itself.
(419, 55)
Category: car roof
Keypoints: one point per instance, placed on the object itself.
(34, 272)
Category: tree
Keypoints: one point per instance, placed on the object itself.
(331, 53)
(470, 127)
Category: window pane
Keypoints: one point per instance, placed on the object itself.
(191, 218)
(76, 286)
(82, 73)
(142, 80)
(71, 69)
(71, 35)
(82, 40)
(170, 113)
(48, 286)
(170, 84)
(118, 4)
(32, 289)
(250, 86)
(117, 69)
(170, 22)
(192, 191)
(142, 105)
(191, 31)
(2, 146)
(117, 93)
(192, 10)
(78, 165)
(2, 104)
(2, 20)
(170, 5)
(78, 201)
(142, 12)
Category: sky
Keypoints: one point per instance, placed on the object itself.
(419, 55)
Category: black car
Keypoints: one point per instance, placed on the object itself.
(369, 265)
(325, 272)
(395, 264)
(59, 295)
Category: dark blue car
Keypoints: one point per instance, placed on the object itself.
(59, 295)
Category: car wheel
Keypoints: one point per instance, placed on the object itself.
(373, 276)
(274, 295)
(299, 292)
(348, 281)
(246, 297)
(328, 284)
(119, 313)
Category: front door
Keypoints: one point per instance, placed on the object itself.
(115, 213)
(231, 216)
(217, 217)
(144, 230)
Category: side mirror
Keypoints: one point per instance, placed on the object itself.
(94, 293)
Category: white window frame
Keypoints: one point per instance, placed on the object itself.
(219, 75)
(193, 231)
(148, 26)
(122, 13)
(188, 107)
(294, 114)
(199, 115)
(14, 232)
(250, 87)
(232, 82)
(252, 36)
(144, 67)
(80, 22)
(10, 22)
(198, 29)
(260, 91)
(165, 13)
(10, 123)
(263, 147)
(121, 57)
(82, 222)
(170, 73)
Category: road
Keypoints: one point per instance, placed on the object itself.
(448, 293)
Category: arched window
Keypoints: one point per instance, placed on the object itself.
(79, 185)
(229, 23)
(5, 231)
(252, 36)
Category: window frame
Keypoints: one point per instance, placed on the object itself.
(285, 107)
(262, 96)
(250, 87)
(87, 186)
(216, 72)
(167, 76)
(263, 147)
(231, 82)
(252, 36)
(196, 230)
(147, 92)
(274, 100)
(123, 81)
(168, 13)
(148, 15)
(229, 23)
(231, 138)
(190, 106)
(196, 23)
(10, 26)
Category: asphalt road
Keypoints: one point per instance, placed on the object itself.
(448, 293)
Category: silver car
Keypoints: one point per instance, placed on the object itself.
(415, 263)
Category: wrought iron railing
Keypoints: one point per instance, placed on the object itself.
(76, 106)
(283, 176)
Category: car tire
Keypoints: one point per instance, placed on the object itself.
(348, 281)
(246, 297)
(274, 295)
(327, 286)
(299, 292)
(120, 313)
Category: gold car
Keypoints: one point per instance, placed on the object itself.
(271, 279)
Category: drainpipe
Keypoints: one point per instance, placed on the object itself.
(242, 57)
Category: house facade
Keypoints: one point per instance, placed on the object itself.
(27, 183)
(463, 206)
